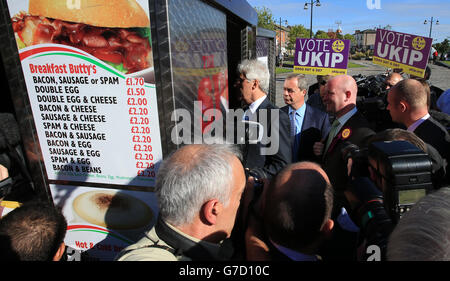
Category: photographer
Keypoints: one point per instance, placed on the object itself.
(386, 181)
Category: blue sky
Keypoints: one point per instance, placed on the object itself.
(403, 16)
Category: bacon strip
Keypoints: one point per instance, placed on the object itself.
(116, 45)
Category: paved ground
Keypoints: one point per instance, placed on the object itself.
(440, 77)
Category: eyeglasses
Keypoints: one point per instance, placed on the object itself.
(241, 80)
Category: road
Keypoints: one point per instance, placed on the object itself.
(440, 77)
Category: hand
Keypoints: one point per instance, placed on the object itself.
(3, 173)
(318, 147)
(349, 166)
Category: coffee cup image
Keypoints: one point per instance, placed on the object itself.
(112, 210)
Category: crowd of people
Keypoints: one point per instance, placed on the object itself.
(310, 200)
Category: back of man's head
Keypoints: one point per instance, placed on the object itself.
(191, 176)
(412, 92)
(298, 207)
(423, 233)
(32, 232)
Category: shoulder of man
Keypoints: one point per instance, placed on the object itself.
(148, 248)
(360, 129)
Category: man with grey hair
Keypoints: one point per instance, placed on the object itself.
(267, 157)
(308, 124)
(423, 233)
(199, 188)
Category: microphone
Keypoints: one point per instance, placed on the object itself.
(9, 131)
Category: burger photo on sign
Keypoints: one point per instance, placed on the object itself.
(114, 31)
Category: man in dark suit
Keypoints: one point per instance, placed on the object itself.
(407, 104)
(308, 124)
(349, 126)
(267, 157)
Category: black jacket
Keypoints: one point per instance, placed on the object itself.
(276, 132)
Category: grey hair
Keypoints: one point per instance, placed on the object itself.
(302, 84)
(256, 70)
(423, 233)
(182, 187)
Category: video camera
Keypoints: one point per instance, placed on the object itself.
(403, 170)
(371, 101)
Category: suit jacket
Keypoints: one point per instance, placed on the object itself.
(316, 126)
(357, 131)
(342, 244)
(267, 166)
(434, 134)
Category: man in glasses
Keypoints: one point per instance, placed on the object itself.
(315, 97)
(259, 158)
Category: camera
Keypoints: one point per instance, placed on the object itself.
(405, 174)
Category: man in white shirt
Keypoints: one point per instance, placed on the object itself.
(267, 157)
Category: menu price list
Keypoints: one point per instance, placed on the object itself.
(82, 114)
(138, 110)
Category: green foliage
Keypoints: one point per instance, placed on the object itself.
(351, 38)
(297, 31)
(265, 18)
(442, 47)
(358, 55)
(320, 34)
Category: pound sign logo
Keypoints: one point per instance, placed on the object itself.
(374, 4)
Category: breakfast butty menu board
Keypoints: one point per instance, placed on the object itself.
(88, 68)
(101, 222)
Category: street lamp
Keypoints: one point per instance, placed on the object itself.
(279, 37)
(317, 2)
(431, 24)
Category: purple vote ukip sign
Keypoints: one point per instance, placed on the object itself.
(401, 50)
(321, 56)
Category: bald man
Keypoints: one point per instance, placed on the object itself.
(349, 126)
(408, 105)
(392, 80)
(296, 219)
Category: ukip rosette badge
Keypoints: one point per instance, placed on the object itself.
(346, 133)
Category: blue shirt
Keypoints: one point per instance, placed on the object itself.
(299, 117)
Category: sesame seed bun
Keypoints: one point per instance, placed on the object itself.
(102, 13)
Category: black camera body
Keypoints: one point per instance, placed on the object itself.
(406, 171)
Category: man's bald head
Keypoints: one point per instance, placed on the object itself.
(340, 96)
(412, 92)
(298, 205)
(393, 79)
(346, 83)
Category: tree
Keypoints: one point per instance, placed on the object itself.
(351, 38)
(265, 18)
(320, 34)
(443, 47)
(297, 31)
